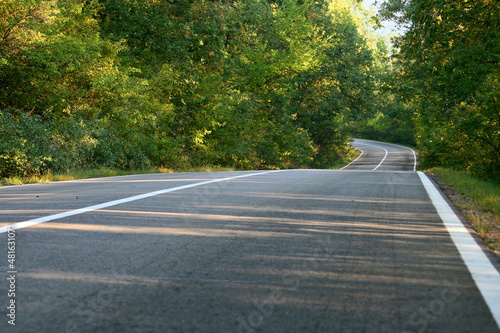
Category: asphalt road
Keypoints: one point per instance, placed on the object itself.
(360, 249)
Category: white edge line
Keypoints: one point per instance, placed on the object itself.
(415, 158)
(44, 219)
(413, 151)
(57, 182)
(485, 275)
(386, 152)
(16, 186)
(354, 159)
(392, 144)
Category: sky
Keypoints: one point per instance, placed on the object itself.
(389, 28)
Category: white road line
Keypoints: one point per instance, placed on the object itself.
(483, 272)
(44, 219)
(413, 151)
(386, 152)
(415, 159)
(354, 159)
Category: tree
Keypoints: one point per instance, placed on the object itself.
(343, 86)
(129, 83)
(449, 61)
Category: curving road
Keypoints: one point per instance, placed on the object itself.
(383, 157)
(362, 249)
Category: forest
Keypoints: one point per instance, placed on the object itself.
(251, 84)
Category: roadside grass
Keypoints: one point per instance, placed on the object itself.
(478, 200)
(348, 158)
(110, 172)
(486, 194)
(97, 173)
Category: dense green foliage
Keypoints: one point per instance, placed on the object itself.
(139, 83)
(245, 84)
(392, 120)
(448, 80)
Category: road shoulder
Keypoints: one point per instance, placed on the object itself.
(484, 273)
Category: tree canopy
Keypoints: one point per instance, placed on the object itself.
(448, 76)
(130, 84)
(246, 84)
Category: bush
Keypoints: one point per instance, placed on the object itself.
(32, 145)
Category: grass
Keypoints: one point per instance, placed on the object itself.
(486, 194)
(101, 172)
(478, 200)
(350, 156)
(110, 172)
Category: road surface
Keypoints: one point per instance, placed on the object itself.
(361, 249)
